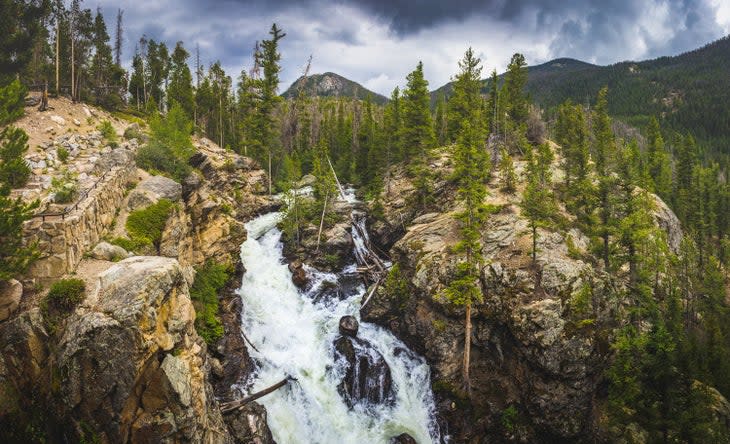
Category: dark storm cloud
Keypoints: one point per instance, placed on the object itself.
(377, 42)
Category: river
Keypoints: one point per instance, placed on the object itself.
(294, 331)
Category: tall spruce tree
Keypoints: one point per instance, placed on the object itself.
(604, 156)
(470, 169)
(538, 202)
(417, 136)
(265, 143)
(515, 82)
(180, 88)
(466, 100)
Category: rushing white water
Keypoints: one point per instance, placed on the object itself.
(294, 332)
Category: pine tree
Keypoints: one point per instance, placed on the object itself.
(417, 137)
(15, 255)
(417, 131)
(440, 121)
(470, 167)
(658, 161)
(265, 143)
(466, 99)
(493, 104)
(538, 203)
(515, 82)
(572, 136)
(392, 129)
(180, 88)
(507, 172)
(604, 156)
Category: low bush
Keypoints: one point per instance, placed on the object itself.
(108, 132)
(62, 154)
(209, 280)
(61, 299)
(133, 246)
(66, 294)
(157, 158)
(65, 188)
(146, 225)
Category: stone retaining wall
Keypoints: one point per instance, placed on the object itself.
(63, 242)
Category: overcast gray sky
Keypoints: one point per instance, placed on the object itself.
(377, 42)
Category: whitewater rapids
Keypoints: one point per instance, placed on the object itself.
(294, 332)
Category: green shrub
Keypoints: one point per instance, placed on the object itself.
(146, 225)
(133, 132)
(66, 294)
(170, 146)
(509, 418)
(14, 172)
(130, 245)
(157, 158)
(209, 280)
(108, 132)
(64, 187)
(62, 154)
(12, 102)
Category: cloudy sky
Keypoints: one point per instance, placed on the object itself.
(377, 42)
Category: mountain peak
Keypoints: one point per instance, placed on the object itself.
(330, 84)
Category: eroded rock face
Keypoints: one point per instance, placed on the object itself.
(136, 369)
(10, 293)
(125, 366)
(531, 347)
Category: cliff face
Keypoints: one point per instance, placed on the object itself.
(125, 366)
(541, 334)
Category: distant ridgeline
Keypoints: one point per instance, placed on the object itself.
(689, 92)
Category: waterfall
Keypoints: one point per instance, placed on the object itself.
(294, 331)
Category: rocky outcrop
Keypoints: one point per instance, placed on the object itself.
(107, 252)
(151, 190)
(10, 293)
(126, 366)
(539, 342)
(366, 375)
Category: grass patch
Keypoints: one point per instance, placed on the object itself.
(109, 133)
(61, 299)
(209, 280)
(64, 188)
(145, 226)
(133, 246)
(62, 154)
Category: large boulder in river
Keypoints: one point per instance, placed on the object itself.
(367, 376)
(298, 274)
(349, 326)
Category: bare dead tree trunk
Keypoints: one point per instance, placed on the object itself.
(58, 56)
(321, 220)
(73, 69)
(467, 348)
(234, 405)
(119, 39)
(44, 98)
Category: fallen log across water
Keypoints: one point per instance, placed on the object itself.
(228, 407)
